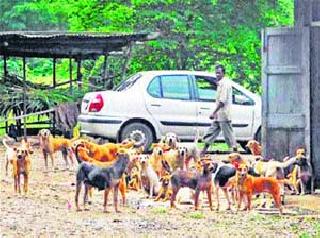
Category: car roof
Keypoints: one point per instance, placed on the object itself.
(169, 72)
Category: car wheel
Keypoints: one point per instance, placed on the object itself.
(243, 145)
(258, 136)
(138, 132)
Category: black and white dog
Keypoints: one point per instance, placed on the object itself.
(221, 174)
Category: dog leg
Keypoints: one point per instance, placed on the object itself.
(217, 197)
(123, 188)
(78, 189)
(249, 197)
(25, 183)
(196, 199)
(277, 201)
(151, 189)
(51, 157)
(210, 198)
(303, 188)
(173, 197)
(240, 200)
(7, 165)
(19, 183)
(227, 197)
(15, 184)
(115, 197)
(105, 203)
(85, 196)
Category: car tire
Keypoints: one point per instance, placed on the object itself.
(139, 132)
(243, 145)
(258, 135)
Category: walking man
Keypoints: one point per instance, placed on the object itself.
(221, 115)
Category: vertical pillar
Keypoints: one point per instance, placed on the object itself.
(70, 73)
(105, 72)
(54, 73)
(79, 76)
(24, 100)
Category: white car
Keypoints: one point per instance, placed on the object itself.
(149, 104)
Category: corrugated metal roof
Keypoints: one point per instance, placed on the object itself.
(51, 44)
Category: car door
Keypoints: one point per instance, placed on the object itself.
(242, 113)
(205, 93)
(241, 109)
(170, 101)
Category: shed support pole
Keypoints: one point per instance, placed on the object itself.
(54, 73)
(105, 72)
(5, 70)
(70, 73)
(79, 76)
(24, 99)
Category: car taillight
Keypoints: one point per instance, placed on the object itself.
(96, 104)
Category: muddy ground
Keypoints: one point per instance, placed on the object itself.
(48, 211)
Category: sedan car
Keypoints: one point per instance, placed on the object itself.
(149, 104)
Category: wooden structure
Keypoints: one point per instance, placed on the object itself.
(73, 46)
(291, 86)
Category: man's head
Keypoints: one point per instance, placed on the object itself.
(220, 70)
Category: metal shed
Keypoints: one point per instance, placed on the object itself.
(291, 86)
(73, 46)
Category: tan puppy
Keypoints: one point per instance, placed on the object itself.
(135, 181)
(165, 191)
(21, 166)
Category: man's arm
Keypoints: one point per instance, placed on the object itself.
(214, 114)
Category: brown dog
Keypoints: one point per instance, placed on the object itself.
(108, 151)
(254, 147)
(165, 191)
(199, 181)
(249, 185)
(50, 145)
(21, 166)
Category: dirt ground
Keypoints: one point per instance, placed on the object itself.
(48, 211)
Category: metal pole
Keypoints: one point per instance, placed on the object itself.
(79, 76)
(105, 71)
(5, 67)
(54, 73)
(24, 100)
(70, 73)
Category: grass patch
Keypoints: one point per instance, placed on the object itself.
(197, 215)
(216, 146)
(159, 210)
(305, 235)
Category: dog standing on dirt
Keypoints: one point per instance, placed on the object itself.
(49, 146)
(103, 178)
(149, 177)
(249, 185)
(199, 181)
(20, 167)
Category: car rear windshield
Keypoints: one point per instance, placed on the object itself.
(127, 83)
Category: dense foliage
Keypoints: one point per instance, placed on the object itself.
(195, 35)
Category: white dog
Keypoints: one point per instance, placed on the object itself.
(149, 177)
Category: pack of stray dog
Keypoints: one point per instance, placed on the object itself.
(174, 171)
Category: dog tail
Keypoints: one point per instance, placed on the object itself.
(286, 162)
(4, 142)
